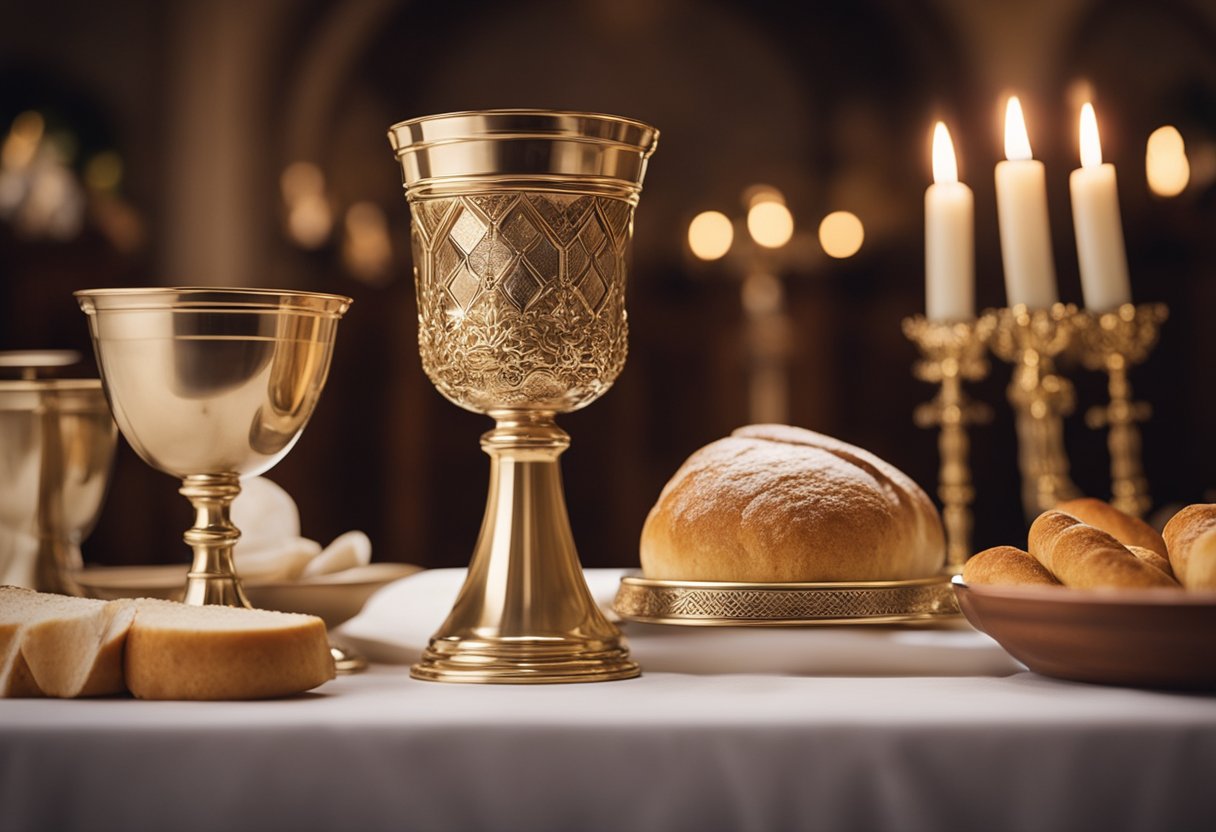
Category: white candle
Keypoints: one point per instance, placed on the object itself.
(1095, 216)
(949, 237)
(1021, 207)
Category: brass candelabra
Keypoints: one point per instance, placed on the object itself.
(952, 352)
(1031, 339)
(1113, 341)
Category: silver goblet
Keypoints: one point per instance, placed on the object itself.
(56, 448)
(521, 224)
(212, 385)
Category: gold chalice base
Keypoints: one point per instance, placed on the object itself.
(732, 604)
(529, 662)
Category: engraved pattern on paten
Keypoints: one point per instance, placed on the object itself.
(689, 603)
(521, 297)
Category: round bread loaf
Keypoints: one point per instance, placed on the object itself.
(778, 503)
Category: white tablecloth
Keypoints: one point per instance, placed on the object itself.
(955, 744)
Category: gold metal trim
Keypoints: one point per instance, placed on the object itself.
(1031, 340)
(473, 152)
(1115, 341)
(731, 604)
(952, 352)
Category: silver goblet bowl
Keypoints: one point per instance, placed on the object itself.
(212, 385)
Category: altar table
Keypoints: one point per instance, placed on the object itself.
(738, 729)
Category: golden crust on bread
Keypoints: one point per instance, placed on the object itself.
(777, 503)
(1082, 556)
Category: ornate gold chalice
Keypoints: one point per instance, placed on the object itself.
(521, 224)
(212, 385)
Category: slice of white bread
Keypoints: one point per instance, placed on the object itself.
(79, 651)
(175, 651)
(55, 645)
(23, 609)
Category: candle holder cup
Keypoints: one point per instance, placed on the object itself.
(952, 352)
(1112, 342)
(1031, 340)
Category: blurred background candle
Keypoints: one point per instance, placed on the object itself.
(1021, 203)
(949, 237)
(1095, 216)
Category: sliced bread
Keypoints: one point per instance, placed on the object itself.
(56, 645)
(79, 650)
(23, 609)
(175, 651)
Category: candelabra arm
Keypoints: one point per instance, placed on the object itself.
(1113, 341)
(1031, 340)
(951, 352)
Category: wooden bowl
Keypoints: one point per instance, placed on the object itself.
(1152, 638)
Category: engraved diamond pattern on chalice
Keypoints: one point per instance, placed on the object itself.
(530, 307)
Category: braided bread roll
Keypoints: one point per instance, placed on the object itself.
(1082, 556)
(1191, 538)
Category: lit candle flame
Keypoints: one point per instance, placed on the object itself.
(1091, 147)
(945, 165)
(1017, 140)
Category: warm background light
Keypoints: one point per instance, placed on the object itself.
(1017, 140)
(310, 218)
(945, 164)
(770, 223)
(841, 234)
(710, 235)
(367, 249)
(755, 194)
(22, 141)
(1165, 162)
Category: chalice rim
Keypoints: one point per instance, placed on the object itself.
(204, 298)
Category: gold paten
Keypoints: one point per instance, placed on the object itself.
(951, 353)
(212, 385)
(732, 604)
(1114, 341)
(1031, 339)
(521, 225)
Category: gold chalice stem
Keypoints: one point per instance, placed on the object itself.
(1128, 484)
(525, 614)
(212, 578)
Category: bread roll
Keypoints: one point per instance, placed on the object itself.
(176, 651)
(1128, 530)
(1006, 565)
(1190, 536)
(1082, 556)
(778, 503)
(1152, 559)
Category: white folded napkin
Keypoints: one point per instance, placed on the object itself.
(271, 548)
